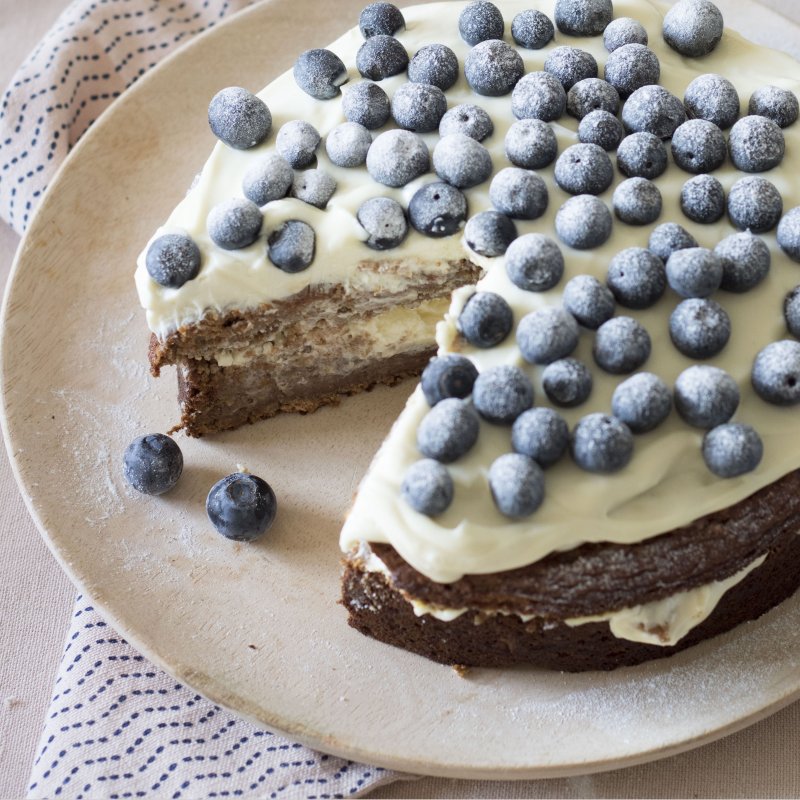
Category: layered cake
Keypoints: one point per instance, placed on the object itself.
(599, 465)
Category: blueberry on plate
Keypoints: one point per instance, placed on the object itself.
(532, 29)
(754, 204)
(486, 319)
(636, 277)
(698, 146)
(479, 21)
(630, 67)
(745, 261)
(584, 222)
(492, 68)
(152, 464)
(418, 107)
(461, 161)
(468, 119)
(380, 57)
(385, 222)
(621, 345)
(732, 449)
(437, 210)
(320, 73)
(654, 110)
(588, 300)
(234, 224)
(706, 396)
(434, 64)
(241, 507)
(699, 327)
(291, 246)
(489, 233)
(313, 186)
(502, 393)
(450, 375)
(714, 98)
(380, 18)
(297, 141)
(583, 17)
(531, 144)
(592, 94)
(570, 65)
(517, 485)
(448, 431)
(703, 199)
(534, 262)
(396, 157)
(693, 27)
(694, 272)
(601, 128)
(239, 118)
(347, 144)
(779, 105)
(584, 169)
(642, 402)
(642, 155)
(637, 201)
(542, 434)
(789, 233)
(547, 334)
(173, 259)
(665, 239)
(567, 382)
(267, 179)
(367, 104)
(519, 193)
(622, 31)
(601, 443)
(776, 373)
(538, 95)
(756, 144)
(427, 487)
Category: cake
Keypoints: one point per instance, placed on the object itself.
(633, 545)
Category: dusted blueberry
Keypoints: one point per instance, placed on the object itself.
(461, 161)
(381, 19)
(592, 94)
(446, 376)
(654, 110)
(347, 144)
(297, 141)
(669, 237)
(622, 31)
(418, 107)
(699, 328)
(427, 487)
(789, 234)
(531, 144)
(534, 262)
(385, 222)
(621, 345)
(776, 373)
(791, 311)
(152, 464)
(501, 394)
(693, 27)
(642, 402)
(642, 155)
(694, 272)
(570, 65)
(601, 128)
(538, 95)
(584, 169)
(366, 104)
(239, 118)
(713, 98)
(492, 68)
(234, 224)
(173, 259)
(754, 204)
(745, 261)
(480, 21)
(636, 277)
(630, 67)
(601, 443)
(567, 382)
(519, 193)
(448, 431)
(485, 320)
(698, 146)
(703, 199)
(706, 396)
(468, 119)
(637, 201)
(241, 507)
(542, 434)
(779, 105)
(434, 64)
(547, 334)
(583, 17)
(267, 179)
(489, 233)
(314, 186)
(438, 209)
(291, 246)
(320, 73)
(380, 57)
(756, 144)
(532, 29)
(583, 222)
(397, 157)
(588, 301)
(733, 449)
(517, 485)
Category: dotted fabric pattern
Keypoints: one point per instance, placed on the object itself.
(117, 727)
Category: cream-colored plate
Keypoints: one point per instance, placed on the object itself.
(257, 627)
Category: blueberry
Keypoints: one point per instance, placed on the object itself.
(385, 222)
(621, 345)
(367, 104)
(468, 119)
(630, 67)
(642, 155)
(733, 449)
(756, 144)
(532, 29)
(547, 334)
(570, 65)
(519, 193)
(239, 118)
(437, 209)
(314, 186)
(297, 141)
(713, 98)
(791, 311)
(320, 73)
(693, 27)
(538, 95)
(173, 259)
(779, 105)
(698, 146)
(152, 464)
(531, 144)
(347, 144)
(291, 246)
(642, 402)
(418, 107)
(706, 396)
(427, 487)
(637, 201)
(492, 68)
(754, 204)
(486, 319)
(534, 262)
(448, 431)
(601, 443)
(694, 272)
(479, 21)
(267, 179)
(636, 277)
(450, 375)
(584, 169)
(461, 161)
(489, 233)
(567, 382)
(776, 373)
(234, 224)
(583, 17)
(703, 199)
(583, 222)
(588, 301)
(241, 507)
(592, 94)
(654, 110)
(669, 237)
(789, 233)
(699, 328)
(381, 19)
(542, 434)
(622, 31)
(380, 57)
(434, 64)
(501, 394)
(745, 261)
(397, 157)
(517, 485)
(601, 128)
